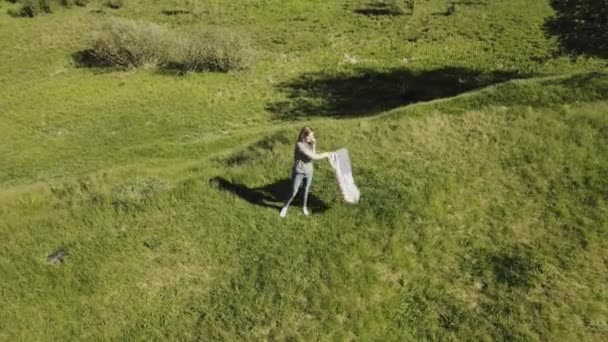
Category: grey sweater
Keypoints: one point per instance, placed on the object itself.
(304, 155)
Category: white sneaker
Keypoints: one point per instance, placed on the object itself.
(305, 210)
(283, 212)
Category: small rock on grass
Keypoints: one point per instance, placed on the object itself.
(57, 257)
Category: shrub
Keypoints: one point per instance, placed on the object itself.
(81, 3)
(115, 4)
(32, 8)
(216, 50)
(126, 43)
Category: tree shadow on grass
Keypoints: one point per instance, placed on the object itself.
(513, 266)
(366, 91)
(378, 8)
(580, 27)
(271, 196)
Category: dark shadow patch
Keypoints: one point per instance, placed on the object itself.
(115, 5)
(515, 266)
(470, 3)
(184, 68)
(580, 27)
(374, 9)
(87, 59)
(377, 12)
(271, 196)
(366, 91)
(171, 12)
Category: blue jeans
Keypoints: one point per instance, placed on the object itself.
(296, 179)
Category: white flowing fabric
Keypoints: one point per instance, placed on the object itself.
(344, 175)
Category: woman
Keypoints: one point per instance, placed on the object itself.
(304, 156)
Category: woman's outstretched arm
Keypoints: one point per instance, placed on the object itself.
(310, 152)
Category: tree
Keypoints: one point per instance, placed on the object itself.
(581, 26)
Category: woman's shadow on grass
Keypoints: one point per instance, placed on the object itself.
(271, 196)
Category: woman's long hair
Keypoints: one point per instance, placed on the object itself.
(304, 132)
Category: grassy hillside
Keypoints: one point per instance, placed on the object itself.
(91, 118)
(480, 154)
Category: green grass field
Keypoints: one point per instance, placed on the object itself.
(481, 155)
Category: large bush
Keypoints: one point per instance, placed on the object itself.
(211, 50)
(127, 43)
